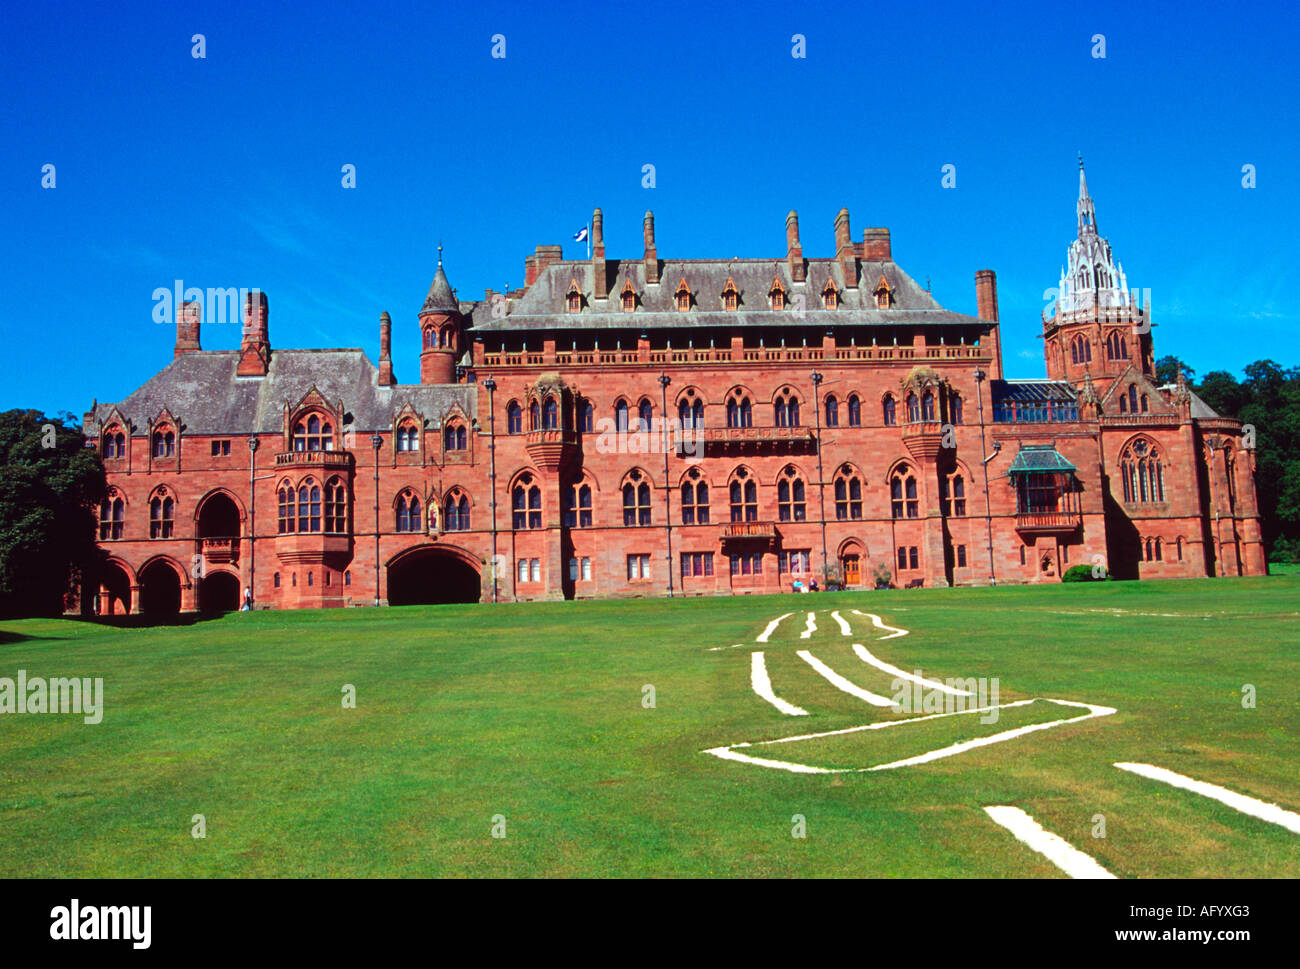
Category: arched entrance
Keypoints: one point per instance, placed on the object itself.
(218, 517)
(431, 574)
(219, 592)
(160, 589)
(114, 591)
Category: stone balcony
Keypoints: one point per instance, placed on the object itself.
(733, 532)
(752, 440)
(219, 551)
(1043, 522)
(552, 448)
(323, 460)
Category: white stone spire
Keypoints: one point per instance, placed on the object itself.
(1092, 278)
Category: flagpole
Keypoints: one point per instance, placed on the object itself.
(589, 242)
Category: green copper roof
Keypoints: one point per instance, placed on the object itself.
(1039, 457)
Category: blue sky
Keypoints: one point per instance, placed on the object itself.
(225, 171)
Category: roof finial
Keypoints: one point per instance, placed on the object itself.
(439, 252)
(1080, 161)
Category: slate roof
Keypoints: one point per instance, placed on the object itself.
(542, 307)
(203, 392)
(1039, 457)
(440, 296)
(1200, 409)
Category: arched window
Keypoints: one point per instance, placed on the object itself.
(739, 411)
(790, 503)
(514, 418)
(1123, 403)
(1145, 404)
(787, 409)
(855, 411)
(408, 512)
(111, 514)
(164, 444)
(954, 408)
(313, 434)
(162, 515)
(830, 295)
(730, 296)
(1142, 473)
(577, 506)
(408, 438)
(454, 437)
(683, 295)
(526, 503)
(744, 497)
(620, 416)
(586, 416)
(902, 494)
(832, 411)
(927, 406)
(690, 413)
(644, 413)
(1115, 347)
(628, 296)
(848, 495)
(1132, 398)
(1080, 350)
(287, 512)
(550, 414)
(114, 443)
(952, 496)
(695, 499)
(534, 416)
(890, 411)
(636, 500)
(336, 507)
(308, 506)
(455, 512)
(913, 409)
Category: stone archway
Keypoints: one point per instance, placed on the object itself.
(114, 590)
(431, 574)
(219, 592)
(160, 589)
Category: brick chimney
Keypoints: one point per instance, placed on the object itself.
(255, 346)
(651, 256)
(986, 298)
(386, 378)
(875, 246)
(844, 252)
(187, 328)
(600, 284)
(530, 270)
(793, 250)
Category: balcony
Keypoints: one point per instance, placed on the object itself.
(748, 440)
(323, 460)
(220, 551)
(1042, 522)
(749, 531)
(312, 548)
(552, 448)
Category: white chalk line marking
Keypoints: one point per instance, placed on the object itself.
(714, 649)
(840, 683)
(895, 632)
(811, 627)
(1239, 802)
(864, 654)
(771, 627)
(1094, 710)
(1054, 848)
(844, 624)
(762, 685)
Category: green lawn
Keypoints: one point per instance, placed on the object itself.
(534, 712)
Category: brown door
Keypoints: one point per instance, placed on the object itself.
(852, 572)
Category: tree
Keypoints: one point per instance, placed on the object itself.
(1221, 391)
(50, 485)
(1167, 370)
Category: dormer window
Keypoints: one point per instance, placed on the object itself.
(777, 294)
(683, 295)
(164, 443)
(313, 434)
(114, 443)
(884, 295)
(830, 295)
(574, 297)
(730, 296)
(629, 297)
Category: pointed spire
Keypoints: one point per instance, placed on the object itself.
(440, 297)
(1087, 214)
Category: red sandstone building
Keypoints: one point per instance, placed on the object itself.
(655, 426)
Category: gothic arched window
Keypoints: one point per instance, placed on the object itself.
(744, 497)
(526, 504)
(903, 500)
(695, 499)
(514, 418)
(848, 494)
(455, 517)
(832, 411)
(636, 500)
(162, 515)
(790, 503)
(111, 514)
(1142, 473)
(408, 512)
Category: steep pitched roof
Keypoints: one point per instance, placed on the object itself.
(1039, 457)
(202, 390)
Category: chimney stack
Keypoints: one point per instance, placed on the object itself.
(255, 346)
(386, 378)
(530, 270)
(793, 250)
(187, 328)
(844, 252)
(986, 298)
(600, 285)
(875, 246)
(651, 256)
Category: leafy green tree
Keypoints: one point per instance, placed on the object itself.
(1167, 370)
(50, 485)
(1221, 391)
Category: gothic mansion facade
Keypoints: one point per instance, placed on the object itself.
(656, 426)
